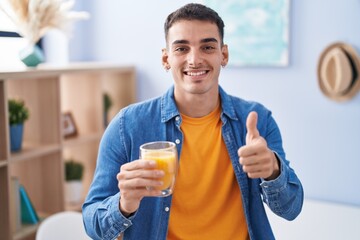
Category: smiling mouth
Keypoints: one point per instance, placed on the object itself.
(197, 73)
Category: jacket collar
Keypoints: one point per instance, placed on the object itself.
(169, 109)
(168, 106)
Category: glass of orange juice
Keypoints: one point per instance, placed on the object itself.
(165, 155)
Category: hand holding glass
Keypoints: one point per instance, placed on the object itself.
(165, 155)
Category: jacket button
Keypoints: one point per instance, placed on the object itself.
(177, 141)
(177, 118)
(167, 209)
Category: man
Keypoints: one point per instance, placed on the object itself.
(230, 152)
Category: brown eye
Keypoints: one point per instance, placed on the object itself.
(180, 49)
(208, 48)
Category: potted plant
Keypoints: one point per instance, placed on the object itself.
(107, 105)
(18, 114)
(74, 171)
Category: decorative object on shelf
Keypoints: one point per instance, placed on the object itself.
(28, 212)
(34, 18)
(73, 175)
(69, 126)
(107, 105)
(338, 72)
(31, 55)
(15, 207)
(55, 44)
(18, 114)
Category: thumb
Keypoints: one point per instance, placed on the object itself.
(251, 126)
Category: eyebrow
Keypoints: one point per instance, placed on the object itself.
(205, 40)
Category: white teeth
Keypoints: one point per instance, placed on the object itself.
(196, 73)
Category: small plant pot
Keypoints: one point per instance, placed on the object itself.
(73, 191)
(31, 56)
(16, 137)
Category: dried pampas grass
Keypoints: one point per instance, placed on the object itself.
(34, 18)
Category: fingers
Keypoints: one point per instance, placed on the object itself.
(257, 166)
(256, 147)
(250, 155)
(255, 157)
(136, 176)
(130, 199)
(138, 164)
(148, 188)
(136, 180)
(141, 181)
(251, 126)
(141, 174)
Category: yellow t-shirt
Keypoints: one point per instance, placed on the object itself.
(206, 202)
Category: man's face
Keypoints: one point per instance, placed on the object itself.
(195, 55)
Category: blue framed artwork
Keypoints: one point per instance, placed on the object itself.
(256, 31)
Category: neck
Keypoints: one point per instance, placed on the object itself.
(197, 105)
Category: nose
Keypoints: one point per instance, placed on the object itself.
(194, 58)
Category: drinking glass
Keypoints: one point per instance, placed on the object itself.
(165, 155)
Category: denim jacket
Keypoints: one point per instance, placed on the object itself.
(159, 119)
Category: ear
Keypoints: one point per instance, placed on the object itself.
(164, 59)
(225, 55)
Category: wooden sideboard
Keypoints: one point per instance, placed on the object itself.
(49, 92)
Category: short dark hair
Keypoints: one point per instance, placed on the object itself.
(195, 11)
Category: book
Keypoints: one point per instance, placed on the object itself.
(15, 211)
(28, 212)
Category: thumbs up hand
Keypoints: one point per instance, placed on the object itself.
(257, 160)
(251, 127)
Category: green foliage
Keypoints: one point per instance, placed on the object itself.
(18, 112)
(107, 102)
(73, 170)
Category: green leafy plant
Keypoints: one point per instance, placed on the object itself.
(73, 170)
(18, 112)
(107, 102)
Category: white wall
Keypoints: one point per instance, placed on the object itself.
(319, 220)
(321, 137)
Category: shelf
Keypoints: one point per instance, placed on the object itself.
(30, 151)
(4, 203)
(41, 97)
(82, 139)
(87, 155)
(29, 229)
(25, 231)
(3, 122)
(73, 206)
(42, 178)
(45, 71)
(3, 163)
(49, 92)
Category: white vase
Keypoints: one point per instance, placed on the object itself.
(73, 191)
(56, 47)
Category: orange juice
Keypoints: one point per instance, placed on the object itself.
(165, 161)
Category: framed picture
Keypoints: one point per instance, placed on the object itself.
(69, 126)
(256, 31)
